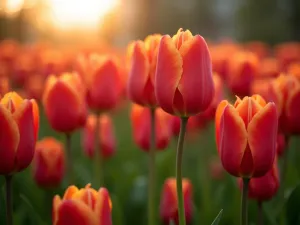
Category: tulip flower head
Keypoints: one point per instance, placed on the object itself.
(143, 66)
(19, 121)
(246, 135)
(183, 80)
(168, 201)
(64, 102)
(84, 206)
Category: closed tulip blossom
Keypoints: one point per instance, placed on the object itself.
(143, 66)
(19, 124)
(140, 119)
(246, 135)
(49, 162)
(168, 201)
(84, 206)
(183, 80)
(106, 136)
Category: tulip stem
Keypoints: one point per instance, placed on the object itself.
(259, 213)
(244, 203)
(98, 159)
(69, 159)
(284, 167)
(151, 185)
(181, 213)
(8, 189)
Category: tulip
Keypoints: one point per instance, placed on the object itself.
(260, 49)
(4, 85)
(246, 134)
(287, 53)
(34, 86)
(64, 102)
(294, 69)
(183, 81)
(143, 67)
(49, 162)
(169, 204)
(84, 206)
(269, 68)
(24, 67)
(106, 136)
(216, 169)
(242, 69)
(140, 118)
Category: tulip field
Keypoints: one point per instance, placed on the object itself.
(171, 129)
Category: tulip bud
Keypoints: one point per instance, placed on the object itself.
(140, 120)
(106, 136)
(168, 201)
(49, 162)
(183, 81)
(19, 121)
(246, 134)
(84, 206)
(64, 102)
(143, 67)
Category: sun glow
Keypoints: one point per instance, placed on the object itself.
(79, 13)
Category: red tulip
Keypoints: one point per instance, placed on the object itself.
(143, 67)
(106, 136)
(246, 134)
(85, 206)
(183, 81)
(168, 201)
(19, 123)
(49, 162)
(64, 102)
(140, 119)
(287, 53)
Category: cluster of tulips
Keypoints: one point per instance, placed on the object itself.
(177, 85)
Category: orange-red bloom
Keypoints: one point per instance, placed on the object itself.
(84, 206)
(140, 120)
(168, 201)
(19, 124)
(49, 162)
(269, 67)
(106, 136)
(183, 80)
(246, 134)
(4, 85)
(242, 70)
(143, 67)
(264, 188)
(294, 69)
(64, 102)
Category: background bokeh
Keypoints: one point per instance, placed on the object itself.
(64, 23)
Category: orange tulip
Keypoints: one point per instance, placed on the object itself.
(269, 68)
(243, 69)
(264, 188)
(49, 162)
(107, 138)
(183, 81)
(289, 88)
(294, 69)
(24, 67)
(64, 102)
(4, 85)
(84, 206)
(140, 119)
(246, 134)
(287, 53)
(143, 67)
(260, 49)
(103, 83)
(168, 201)
(34, 86)
(19, 124)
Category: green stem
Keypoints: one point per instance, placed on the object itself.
(259, 213)
(244, 203)
(69, 159)
(151, 186)
(181, 213)
(98, 159)
(8, 190)
(284, 167)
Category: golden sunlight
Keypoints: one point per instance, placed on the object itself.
(79, 13)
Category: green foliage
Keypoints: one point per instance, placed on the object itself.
(218, 218)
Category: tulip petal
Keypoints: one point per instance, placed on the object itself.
(292, 111)
(56, 203)
(36, 117)
(168, 73)
(70, 192)
(196, 84)
(12, 101)
(75, 212)
(262, 135)
(233, 140)
(218, 116)
(9, 141)
(25, 121)
(103, 207)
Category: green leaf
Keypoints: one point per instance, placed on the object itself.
(218, 218)
(292, 207)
